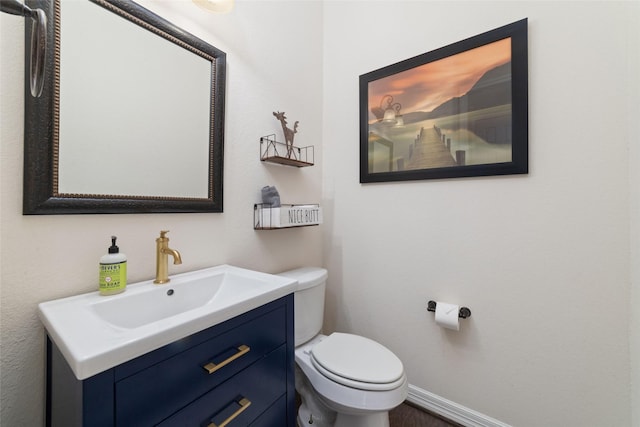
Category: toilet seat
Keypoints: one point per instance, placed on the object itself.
(357, 362)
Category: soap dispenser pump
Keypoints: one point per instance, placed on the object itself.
(113, 270)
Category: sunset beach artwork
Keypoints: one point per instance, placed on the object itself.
(457, 111)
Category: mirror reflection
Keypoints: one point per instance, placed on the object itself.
(106, 149)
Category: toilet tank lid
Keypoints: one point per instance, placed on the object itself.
(307, 277)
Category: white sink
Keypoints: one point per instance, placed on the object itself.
(96, 333)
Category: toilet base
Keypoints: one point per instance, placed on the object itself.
(377, 419)
(308, 418)
(315, 418)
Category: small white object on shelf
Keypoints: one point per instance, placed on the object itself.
(266, 217)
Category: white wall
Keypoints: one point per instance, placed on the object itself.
(633, 108)
(542, 260)
(274, 63)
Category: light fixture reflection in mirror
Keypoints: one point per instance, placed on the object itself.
(219, 6)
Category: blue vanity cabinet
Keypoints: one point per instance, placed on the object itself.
(240, 370)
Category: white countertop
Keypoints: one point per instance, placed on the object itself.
(96, 333)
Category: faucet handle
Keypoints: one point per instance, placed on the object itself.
(163, 233)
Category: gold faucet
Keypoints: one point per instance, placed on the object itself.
(162, 259)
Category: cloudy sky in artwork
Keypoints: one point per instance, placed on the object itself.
(426, 87)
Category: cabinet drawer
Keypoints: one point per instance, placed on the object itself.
(243, 398)
(155, 393)
(274, 416)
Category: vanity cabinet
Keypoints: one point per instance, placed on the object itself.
(240, 370)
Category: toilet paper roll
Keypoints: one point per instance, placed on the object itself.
(447, 315)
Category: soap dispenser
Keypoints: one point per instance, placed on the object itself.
(113, 270)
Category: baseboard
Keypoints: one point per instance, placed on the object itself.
(451, 410)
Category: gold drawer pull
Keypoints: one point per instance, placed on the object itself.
(212, 367)
(244, 404)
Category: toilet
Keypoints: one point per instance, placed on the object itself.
(343, 380)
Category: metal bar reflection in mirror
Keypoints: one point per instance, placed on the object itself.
(38, 40)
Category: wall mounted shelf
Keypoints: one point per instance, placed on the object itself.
(277, 152)
(266, 217)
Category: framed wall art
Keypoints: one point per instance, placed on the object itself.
(458, 111)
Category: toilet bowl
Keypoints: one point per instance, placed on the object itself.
(344, 380)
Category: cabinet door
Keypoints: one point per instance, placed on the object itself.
(241, 399)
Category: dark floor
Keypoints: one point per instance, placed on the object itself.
(407, 415)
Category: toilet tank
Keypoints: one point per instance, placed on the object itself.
(308, 301)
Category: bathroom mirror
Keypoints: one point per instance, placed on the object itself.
(131, 119)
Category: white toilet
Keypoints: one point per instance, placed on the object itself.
(344, 380)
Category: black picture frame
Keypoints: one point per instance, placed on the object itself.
(457, 111)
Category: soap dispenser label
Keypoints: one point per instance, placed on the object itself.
(113, 276)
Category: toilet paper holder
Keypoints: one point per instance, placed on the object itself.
(463, 313)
